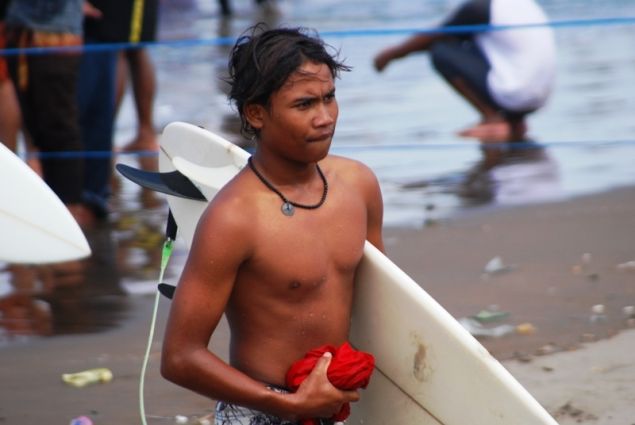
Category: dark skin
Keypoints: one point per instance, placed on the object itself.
(285, 283)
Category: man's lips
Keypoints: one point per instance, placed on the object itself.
(320, 137)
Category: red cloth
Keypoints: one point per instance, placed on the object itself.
(349, 370)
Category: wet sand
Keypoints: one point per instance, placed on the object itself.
(562, 259)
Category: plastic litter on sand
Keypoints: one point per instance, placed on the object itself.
(86, 377)
(81, 420)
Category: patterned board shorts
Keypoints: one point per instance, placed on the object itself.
(231, 414)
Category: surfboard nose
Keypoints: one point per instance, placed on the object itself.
(35, 225)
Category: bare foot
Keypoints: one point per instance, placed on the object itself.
(146, 140)
(496, 131)
(490, 131)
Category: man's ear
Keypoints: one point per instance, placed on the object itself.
(254, 114)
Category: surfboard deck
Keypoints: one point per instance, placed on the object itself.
(429, 369)
(36, 227)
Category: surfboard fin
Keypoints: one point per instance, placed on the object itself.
(173, 183)
(167, 290)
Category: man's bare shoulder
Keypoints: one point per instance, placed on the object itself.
(348, 167)
(353, 172)
(232, 209)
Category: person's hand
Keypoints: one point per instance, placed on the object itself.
(91, 11)
(383, 59)
(317, 397)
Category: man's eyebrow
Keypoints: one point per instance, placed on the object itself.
(310, 97)
(307, 98)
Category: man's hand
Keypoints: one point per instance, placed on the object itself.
(317, 397)
(384, 58)
(91, 11)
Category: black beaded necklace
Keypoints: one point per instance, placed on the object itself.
(288, 207)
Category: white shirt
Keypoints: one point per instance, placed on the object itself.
(523, 61)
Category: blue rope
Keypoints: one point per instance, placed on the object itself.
(371, 32)
(366, 147)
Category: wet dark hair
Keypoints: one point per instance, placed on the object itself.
(262, 60)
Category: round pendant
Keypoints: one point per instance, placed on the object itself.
(287, 209)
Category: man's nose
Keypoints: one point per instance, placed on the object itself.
(325, 115)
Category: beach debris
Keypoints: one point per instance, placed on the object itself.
(496, 266)
(568, 410)
(523, 357)
(588, 337)
(598, 313)
(547, 349)
(628, 266)
(86, 377)
(584, 267)
(81, 420)
(525, 329)
(181, 419)
(598, 309)
(475, 328)
(490, 314)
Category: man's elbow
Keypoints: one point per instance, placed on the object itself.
(172, 367)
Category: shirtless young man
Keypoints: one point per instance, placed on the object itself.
(278, 248)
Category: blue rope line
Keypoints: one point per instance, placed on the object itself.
(370, 32)
(397, 148)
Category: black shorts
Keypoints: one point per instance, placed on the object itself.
(115, 25)
(462, 58)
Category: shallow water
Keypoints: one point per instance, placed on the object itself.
(402, 123)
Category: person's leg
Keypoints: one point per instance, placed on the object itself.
(144, 89)
(465, 68)
(462, 65)
(10, 115)
(52, 97)
(96, 97)
(225, 7)
(121, 79)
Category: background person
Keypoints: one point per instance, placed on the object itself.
(136, 65)
(46, 85)
(504, 74)
(109, 21)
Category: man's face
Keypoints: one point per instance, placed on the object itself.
(300, 120)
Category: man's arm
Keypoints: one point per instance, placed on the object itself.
(471, 12)
(416, 43)
(222, 243)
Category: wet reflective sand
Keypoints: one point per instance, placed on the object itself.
(439, 189)
(452, 205)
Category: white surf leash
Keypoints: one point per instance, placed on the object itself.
(165, 257)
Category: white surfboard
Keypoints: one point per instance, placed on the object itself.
(429, 369)
(35, 225)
